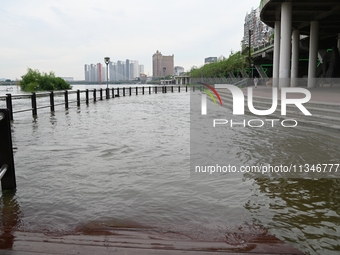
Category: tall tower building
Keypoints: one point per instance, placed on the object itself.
(141, 69)
(121, 71)
(93, 72)
(113, 71)
(128, 70)
(161, 63)
(117, 71)
(134, 69)
(260, 32)
(99, 73)
(87, 72)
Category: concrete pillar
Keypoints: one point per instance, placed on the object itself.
(295, 58)
(276, 57)
(313, 53)
(285, 46)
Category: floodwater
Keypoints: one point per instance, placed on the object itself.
(125, 162)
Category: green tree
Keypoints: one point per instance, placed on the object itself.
(222, 67)
(33, 80)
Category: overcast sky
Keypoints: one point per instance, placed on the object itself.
(63, 35)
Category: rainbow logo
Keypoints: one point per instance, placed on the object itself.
(207, 91)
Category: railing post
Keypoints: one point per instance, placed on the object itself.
(34, 104)
(155, 89)
(78, 97)
(164, 89)
(87, 97)
(113, 92)
(66, 99)
(118, 91)
(136, 91)
(107, 93)
(124, 91)
(186, 88)
(101, 93)
(179, 88)
(172, 89)
(130, 91)
(143, 90)
(9, 105)
(6, 151)
(149, 90)
(52, 101)
(94, 95)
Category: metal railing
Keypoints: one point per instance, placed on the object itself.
(90, 94)
(7, 172)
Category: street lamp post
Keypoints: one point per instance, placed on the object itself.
(107, 61)
(252, 70)
(249, 44)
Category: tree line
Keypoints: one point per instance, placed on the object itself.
(234, 63)
(33, 80)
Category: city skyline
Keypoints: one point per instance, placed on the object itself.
(61, 36)
(117, 71)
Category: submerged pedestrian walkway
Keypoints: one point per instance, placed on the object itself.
(330, 95)
(324, 106)
(137, 241)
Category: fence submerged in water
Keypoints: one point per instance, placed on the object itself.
(7, 172)
(96, 95)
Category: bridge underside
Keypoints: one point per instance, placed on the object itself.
(325, 69)
(308, 43)
(327, 12)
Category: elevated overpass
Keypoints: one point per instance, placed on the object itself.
(319, 22)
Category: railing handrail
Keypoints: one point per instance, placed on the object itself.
(7, 171)
(72, 91)
(129, 90)
(3, 170)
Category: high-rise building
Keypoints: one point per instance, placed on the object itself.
(93, 73)
(141, 69)
(118, 71)
(87, 72)
(162, 65)
(134, 69)
(103, 79)
(127, 69)
(113, 71)
(93, 76)
(121, 76)
(260, 32)
(99, 73)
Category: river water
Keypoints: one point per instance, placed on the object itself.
(125, 162)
